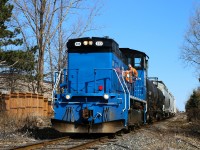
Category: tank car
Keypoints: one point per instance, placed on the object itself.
(169, 101)
(91, 95)
(155, 100)
(161, 103)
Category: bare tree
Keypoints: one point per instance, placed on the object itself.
(190, 53)
(42, 21)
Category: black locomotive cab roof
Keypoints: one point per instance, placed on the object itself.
(92, 44)
(132, 52)
(137, 59)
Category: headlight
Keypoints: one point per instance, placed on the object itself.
(67, 96)
(85, 42)
(106, 96)
(90, 42)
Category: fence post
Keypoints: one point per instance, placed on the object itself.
(13, 105)
(40, 104)
(45, 107)
(35, 104)
(6, 97)
(22, 105)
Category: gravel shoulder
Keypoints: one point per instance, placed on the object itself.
(171, 134)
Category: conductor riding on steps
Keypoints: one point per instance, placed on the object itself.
(131, 75)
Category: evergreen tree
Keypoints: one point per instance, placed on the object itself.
(18, 69)
(194, 101)
(193, 106)
(7, 37)
(19, 61)
(15, 64)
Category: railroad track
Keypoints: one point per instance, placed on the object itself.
(64, 143)
(75, 143)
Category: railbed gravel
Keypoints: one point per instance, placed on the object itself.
(171, 134)
(145, 140)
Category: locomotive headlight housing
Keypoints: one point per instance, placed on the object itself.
(106, 96)
(85, 42)
(68, 96)
(90, 42)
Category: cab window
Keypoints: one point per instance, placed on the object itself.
(137, 62)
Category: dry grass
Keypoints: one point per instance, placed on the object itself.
(10, 125)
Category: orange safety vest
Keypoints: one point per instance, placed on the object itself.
(129, 75)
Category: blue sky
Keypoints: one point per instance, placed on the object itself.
(156, 27)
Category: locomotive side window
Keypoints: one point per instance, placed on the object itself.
(137, 62)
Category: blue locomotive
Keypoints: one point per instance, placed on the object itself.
(91, 95)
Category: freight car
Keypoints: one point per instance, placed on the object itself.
(161, 103)
(91, 94)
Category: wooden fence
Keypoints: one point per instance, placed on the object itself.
(25, 104)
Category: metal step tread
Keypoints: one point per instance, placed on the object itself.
(137, 99)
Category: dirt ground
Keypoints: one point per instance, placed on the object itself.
(174, 133)
(171, 134)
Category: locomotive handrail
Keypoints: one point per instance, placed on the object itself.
(138, 99)
(127, 89)
(54, 88)
(122, 88)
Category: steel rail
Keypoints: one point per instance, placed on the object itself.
(40, 144)
(89, 144)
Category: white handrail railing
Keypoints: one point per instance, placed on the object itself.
(127, 90)
(123, 90)
(54, 88)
